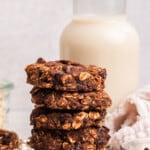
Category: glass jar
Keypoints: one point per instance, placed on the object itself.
(5, 88)
(100, 34)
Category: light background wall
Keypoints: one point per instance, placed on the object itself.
(31, 28)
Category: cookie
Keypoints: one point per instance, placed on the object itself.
(83, 139)
(66, 120)
(98, 100)
(8, 140)
(65, 75)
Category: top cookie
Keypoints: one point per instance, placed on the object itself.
(65, 75)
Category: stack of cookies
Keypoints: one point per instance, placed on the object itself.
(70, 106)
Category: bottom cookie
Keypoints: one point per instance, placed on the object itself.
(83, 139)
(8, 140)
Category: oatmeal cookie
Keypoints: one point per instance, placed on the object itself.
(65, 75)
(8, 140)
(83, 139)
(98, 100)
(43, 118)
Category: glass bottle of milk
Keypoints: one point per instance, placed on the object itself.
(100, 34)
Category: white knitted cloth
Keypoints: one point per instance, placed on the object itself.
(131, 120)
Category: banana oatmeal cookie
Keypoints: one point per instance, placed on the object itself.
(65, 75)
(98, 100)
(8, 140)
(43, 118)
(84, 139)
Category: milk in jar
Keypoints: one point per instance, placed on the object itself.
(100, 34)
